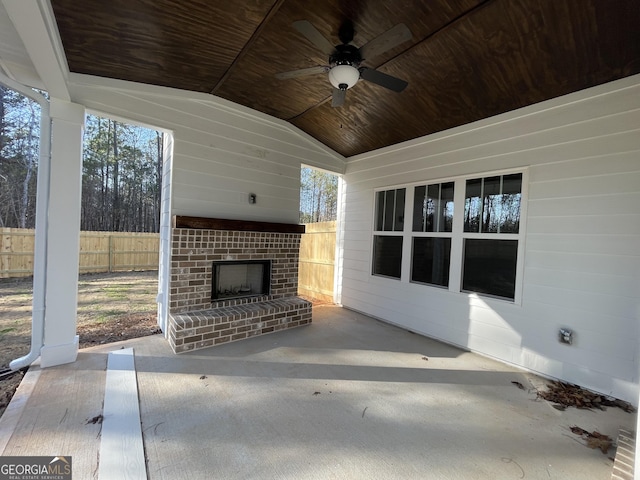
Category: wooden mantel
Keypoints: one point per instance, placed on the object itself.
(203, 223)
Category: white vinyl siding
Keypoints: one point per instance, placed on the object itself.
(580, 254)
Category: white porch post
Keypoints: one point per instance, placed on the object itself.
(63, 235)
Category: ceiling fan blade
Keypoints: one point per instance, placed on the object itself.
(382, 79)
(389, 39)
(302, 72)
(337, 97)
(314, 36)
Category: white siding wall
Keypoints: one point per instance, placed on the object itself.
(582, 244)
(221, 151)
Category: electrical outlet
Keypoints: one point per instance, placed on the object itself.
(566, 336)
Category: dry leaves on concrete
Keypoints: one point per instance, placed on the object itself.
(594, 439)
(569, 395)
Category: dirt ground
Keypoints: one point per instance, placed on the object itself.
(111, 307)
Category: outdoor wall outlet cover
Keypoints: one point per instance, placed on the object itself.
(252, 198)
(565, 336)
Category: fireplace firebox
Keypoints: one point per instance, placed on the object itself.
(240, 278)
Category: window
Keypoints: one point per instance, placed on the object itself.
(491, 207)
(390, 212)
(387, 249)
(433, 217)
(463, 234)
(433, 208)
(387, 256)
(430, 261)
(490, 267)
(492, 204)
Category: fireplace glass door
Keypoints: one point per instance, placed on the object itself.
(242, 278)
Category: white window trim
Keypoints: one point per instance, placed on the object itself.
(457, 235)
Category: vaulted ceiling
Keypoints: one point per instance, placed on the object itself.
(466, 59)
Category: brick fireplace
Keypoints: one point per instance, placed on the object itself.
(196, 318)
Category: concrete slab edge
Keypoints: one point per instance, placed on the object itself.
(15, 409)
(121, 443)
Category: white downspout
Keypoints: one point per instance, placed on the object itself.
(40, 246)
(338, 268)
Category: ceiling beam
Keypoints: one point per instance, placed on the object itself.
(35, 23)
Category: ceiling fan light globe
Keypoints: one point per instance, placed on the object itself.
(342, 75)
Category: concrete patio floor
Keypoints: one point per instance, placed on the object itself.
(347, 397)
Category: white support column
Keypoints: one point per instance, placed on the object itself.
(63, 235)
(164, 268)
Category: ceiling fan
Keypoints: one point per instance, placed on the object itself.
(344, 59)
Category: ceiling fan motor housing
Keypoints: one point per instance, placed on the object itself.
(345, 55)
(344, 62)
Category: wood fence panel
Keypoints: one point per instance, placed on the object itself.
(134, 251)
(317, 260)
(94, 252)
(99, 252)
(16, 252)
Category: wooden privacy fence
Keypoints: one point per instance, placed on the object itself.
(119, 251)
(99, 252)
(317, 260)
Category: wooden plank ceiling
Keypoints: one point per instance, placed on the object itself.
(467, 60)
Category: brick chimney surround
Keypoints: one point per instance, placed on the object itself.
(195, 320)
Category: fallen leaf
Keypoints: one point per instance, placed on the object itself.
(519, 385)
(604, 444)
(594, 439)
(579, 431)
(96, 419)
